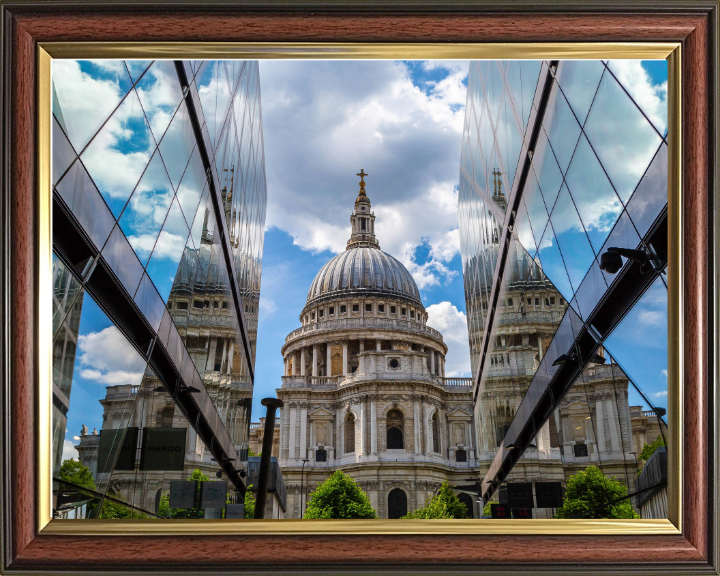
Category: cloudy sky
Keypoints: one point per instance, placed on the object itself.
(324, 121)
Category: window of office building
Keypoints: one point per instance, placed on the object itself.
(596, 181)
(147, 166)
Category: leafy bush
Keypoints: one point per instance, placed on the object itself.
(339, 497)
(445, 504)
(589, 494)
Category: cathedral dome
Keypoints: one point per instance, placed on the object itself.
(364, 270)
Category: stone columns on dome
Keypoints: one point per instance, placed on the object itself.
(285, 366)
(613, 423)
(328, 359)
(302, 361)
(361, 367)
(293, 419)
(363, 449)
(303, 431)
(378, 345)
(373, 427)
(426, 426)
(315, 360)
(210, 365)
(345, 357)
(432, 361)
(599, 418)
(416, 426)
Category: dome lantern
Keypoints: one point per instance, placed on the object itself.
(363, 269)
(362, 220)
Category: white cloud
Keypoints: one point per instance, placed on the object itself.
(664, 373)
(85, 102)
(167, 245)
(106, 357)
(652, 98)
(660, 394)
(267, 307)
(452, 323)
(325, 120)
(69, 452)
(652, 318)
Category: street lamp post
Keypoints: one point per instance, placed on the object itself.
(302, 471)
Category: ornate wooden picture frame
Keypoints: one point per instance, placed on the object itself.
(34, 32)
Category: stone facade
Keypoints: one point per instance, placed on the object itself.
(364, 387)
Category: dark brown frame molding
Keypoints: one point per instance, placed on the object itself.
(24, 24)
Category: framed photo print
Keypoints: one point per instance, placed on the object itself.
(369, 288)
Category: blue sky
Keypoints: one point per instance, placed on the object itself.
(323, 121)
(401, 122)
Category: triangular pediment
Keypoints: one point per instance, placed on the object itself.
(320, 412)
(459, 412)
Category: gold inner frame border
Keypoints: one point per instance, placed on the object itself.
(670, 51)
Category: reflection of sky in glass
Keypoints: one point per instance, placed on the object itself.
(552, 263)
(104, 358)
(584, 179)
(571, 237)
(594, 197)
(623, 139)
(119, 153)
(639, 343)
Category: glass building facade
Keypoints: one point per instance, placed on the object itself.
(159, 201)
(563, 227)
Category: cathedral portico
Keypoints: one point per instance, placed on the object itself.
(364, 384)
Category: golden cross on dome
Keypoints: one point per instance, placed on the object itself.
(362, 175)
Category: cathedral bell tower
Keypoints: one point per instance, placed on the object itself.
(362, 220)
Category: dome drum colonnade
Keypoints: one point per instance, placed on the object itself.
(364, 384)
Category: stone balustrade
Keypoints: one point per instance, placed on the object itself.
(359, 323)
(331, 382)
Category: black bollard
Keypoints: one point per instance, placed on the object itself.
(272, 405)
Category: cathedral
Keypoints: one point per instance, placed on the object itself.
(364, 386)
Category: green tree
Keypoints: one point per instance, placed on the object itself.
(590, 494)
(249, 503)
(339, 497)
(112, 510)
(75, 473)
(487, 510)
(445, 504)
(649, 449)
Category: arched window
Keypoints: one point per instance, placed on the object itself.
(397, 504)
(349, 433)
(395, 430)
(435, 434)
(468, 501)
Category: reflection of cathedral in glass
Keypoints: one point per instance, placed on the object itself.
(67, 307)
(167, 256)
(527, 284)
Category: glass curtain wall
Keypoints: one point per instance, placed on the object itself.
(562, 161)
(159, 209)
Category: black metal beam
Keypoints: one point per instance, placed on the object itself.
(509, 223)
(219, 215)
(77, 251)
